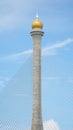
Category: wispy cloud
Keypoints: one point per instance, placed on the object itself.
(17, 56)
(61, 44)
(51, 50)
(46, 51)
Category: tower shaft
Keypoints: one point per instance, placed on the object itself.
(37, 114)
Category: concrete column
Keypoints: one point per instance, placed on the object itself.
(37, 114)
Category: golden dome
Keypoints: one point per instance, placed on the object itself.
(37, 23)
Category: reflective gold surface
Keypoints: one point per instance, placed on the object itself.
(37, 24)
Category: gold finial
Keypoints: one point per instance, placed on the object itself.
(37, 23)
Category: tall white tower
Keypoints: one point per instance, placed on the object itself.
(37, 34)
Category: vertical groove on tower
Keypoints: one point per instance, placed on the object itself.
(37, 114)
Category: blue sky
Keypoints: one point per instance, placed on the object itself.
(57, 61)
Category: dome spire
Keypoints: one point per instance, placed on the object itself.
(37, 23)
(37, 16)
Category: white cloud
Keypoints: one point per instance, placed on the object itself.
(51, 50)
(17, 56)
(61, 44)
(51, 125)
(46, 51)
